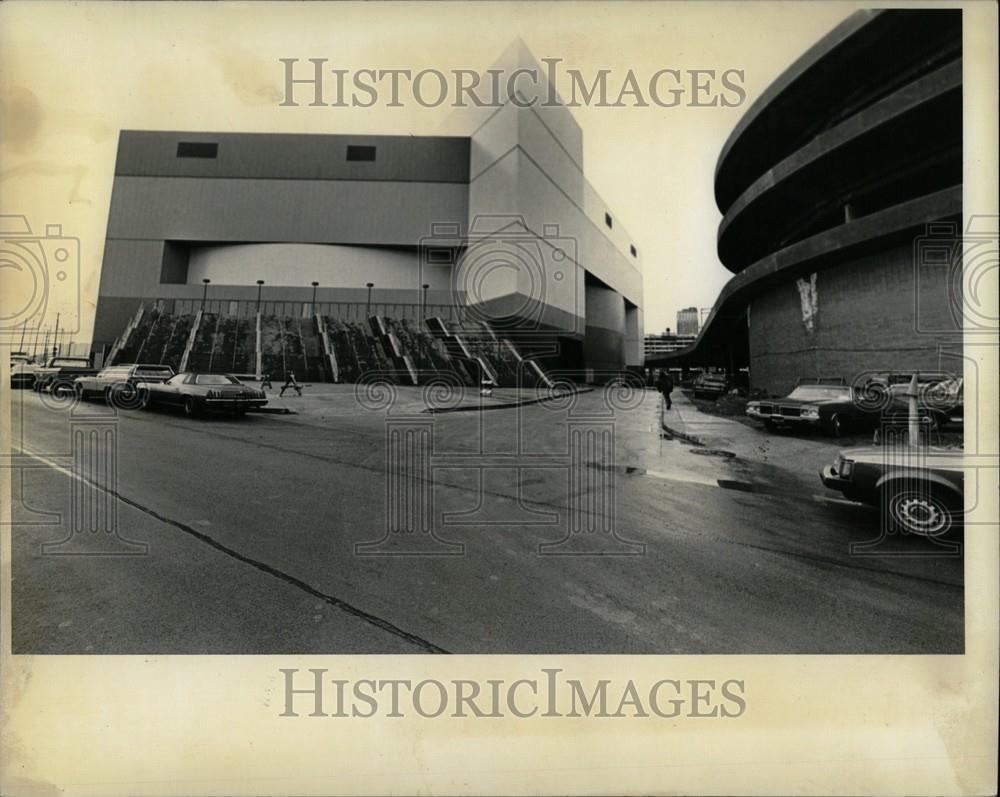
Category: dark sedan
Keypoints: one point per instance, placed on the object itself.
(921, 491)
(196, 392)
(710, 385)
(833, 408)
(940, 401)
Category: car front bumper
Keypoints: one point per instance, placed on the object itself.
(235, 403)
(804, 420)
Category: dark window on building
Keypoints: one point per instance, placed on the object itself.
(357, 153)
(632, 249)
(439, 257)
(197, 149)
(607, 220)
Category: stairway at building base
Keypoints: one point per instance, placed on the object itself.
(154, 336)
(224, 343)
(328, 349)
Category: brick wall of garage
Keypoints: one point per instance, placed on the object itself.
(877, 312)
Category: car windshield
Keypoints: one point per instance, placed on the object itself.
(73, 363)
(215, 379)
(154, 370)
(818, 392)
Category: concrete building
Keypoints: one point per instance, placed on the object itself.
(688, 321)
(665, 343)
(500, 223)
(841, 189)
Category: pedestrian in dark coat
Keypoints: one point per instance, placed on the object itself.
(665, 384)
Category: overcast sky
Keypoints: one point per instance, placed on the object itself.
(75, 76)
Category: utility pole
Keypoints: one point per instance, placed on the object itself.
(368, 306)
(315, 285)
(260, 287)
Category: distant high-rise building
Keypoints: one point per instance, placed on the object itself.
(688, 321)
(657, 345)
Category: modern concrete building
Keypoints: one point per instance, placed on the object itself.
(841, 189)
(500, 223)
(664, 343)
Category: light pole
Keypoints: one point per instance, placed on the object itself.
(368, 307)
(423, 307)
(204, 292)
(24, 328)
(260, 287)
(315, 286)
(55, 337)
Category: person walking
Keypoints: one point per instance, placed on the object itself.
(665, 384)
(290, 384)
(265, 381)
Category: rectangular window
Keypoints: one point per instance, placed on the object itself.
(632, 249)
(197, 149)
(607, 220)
(358, 153)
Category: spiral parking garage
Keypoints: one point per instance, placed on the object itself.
(841, 195)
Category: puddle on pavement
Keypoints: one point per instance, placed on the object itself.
(676, 476)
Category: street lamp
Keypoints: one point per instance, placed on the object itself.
(368, 307)
(204, 292)
(260, 287)
(315, 286)
(423, 308)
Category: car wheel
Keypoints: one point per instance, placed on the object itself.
(143, 399)
(190, 407)
(835, 425)
(922, 512)
(81, 394)
(771, 426)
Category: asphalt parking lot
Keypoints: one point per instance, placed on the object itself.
(566, 527)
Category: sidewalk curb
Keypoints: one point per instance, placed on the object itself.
(507, 406)
(674, 434)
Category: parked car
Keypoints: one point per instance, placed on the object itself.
(940, 400)
(58, 373)
(710, 385)
(197, 392)
(920, 490)
(119, 378)
(22, 370)
(831, 407)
